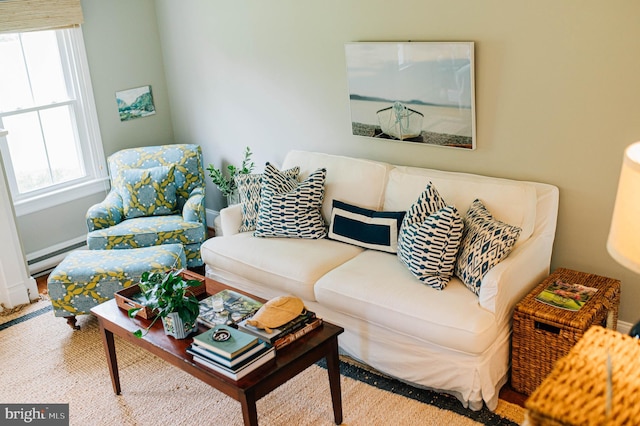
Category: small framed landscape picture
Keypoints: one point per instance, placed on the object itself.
(135, 103)
(418, 92)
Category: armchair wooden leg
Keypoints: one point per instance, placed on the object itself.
(71, 320)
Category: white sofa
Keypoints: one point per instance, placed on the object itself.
(450, 340)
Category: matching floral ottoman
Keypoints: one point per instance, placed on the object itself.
(86, 278)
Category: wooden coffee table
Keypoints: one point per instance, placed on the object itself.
(290, 361)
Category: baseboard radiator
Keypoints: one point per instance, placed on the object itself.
(43, 261)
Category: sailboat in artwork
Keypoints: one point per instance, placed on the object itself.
(400, 122)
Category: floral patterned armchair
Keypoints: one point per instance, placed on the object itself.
(157, 197)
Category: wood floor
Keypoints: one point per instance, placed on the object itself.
(507, 393)
(42, 284)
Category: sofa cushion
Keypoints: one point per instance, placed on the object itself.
(485, 243)
(288, 265)
(509, 201)
(365, 227)
(147, 192)
(249, 186)
(377, 288)
(289, 208)
(150, 231)
(361, 182)
(146, 232)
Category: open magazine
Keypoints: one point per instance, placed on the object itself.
(566, 295)
(236, 308)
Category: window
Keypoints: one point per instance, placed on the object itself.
(53, 152)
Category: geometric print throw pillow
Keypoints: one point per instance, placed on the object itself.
(289, 208)
(249, 191)
(430, 238)
(147, 192)
(428, 202)
(485, 243)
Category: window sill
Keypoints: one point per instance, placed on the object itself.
(61, 196)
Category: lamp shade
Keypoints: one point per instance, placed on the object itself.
(624, 236)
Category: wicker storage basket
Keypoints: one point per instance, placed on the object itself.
(575, 393)
(542, 333)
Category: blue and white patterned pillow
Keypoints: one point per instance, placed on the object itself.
(249, 190)
(364, 227)
(147, 192)
(485, 243)
(430, 238)
(427, 203)
(289, 208)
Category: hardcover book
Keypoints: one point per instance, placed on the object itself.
(295, 335)
(565, 295)
(236, 308)
(259, 361)
(237, 362)
(215, 340)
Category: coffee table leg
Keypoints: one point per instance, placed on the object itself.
(249, 411)
(333, 368)
(112, 362)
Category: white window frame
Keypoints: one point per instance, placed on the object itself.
(96, 180)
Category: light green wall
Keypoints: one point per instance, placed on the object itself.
(123, 51)
(556, 93)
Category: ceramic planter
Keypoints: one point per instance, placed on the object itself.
(174, 326)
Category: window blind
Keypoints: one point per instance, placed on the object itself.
(33, 15)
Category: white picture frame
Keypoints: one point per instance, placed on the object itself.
(415, 92)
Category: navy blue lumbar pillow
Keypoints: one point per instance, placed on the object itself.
(364, 227)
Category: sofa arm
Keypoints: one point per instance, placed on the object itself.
(527, 265)
(231, 219)
(106, 213)
(513, 278)
(194, 210)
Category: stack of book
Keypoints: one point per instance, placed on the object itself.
(286, 334)
(230, 352)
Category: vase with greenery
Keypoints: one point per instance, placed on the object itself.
(168, 296)
(226, 182)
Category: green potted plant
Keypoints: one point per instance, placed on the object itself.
(226, 182)
(167, 295)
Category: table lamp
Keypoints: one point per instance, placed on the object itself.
(624, 236)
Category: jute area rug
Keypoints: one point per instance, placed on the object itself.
(44, 361)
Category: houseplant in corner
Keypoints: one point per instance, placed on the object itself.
(226, 182)
(167, 295)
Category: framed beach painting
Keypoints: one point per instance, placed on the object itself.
(135, 103)
(417, 92)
